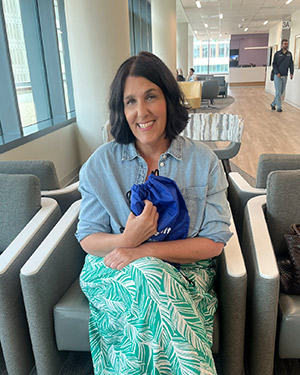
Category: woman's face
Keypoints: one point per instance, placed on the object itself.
(145, 110)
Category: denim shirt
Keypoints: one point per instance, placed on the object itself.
(113, 168)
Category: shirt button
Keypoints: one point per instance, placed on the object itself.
(161, 164)
(164, 156)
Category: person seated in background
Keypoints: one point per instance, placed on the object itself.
(147, 316)
(179, 75)
(191, 76)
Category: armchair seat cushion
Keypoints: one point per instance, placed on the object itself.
(71, 319)
(289, 330)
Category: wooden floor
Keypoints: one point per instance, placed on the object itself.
(265, 131)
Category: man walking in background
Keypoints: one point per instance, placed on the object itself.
(283, 60)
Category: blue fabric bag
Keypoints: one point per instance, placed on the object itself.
(174, 220)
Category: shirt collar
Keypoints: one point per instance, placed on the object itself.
(129, 151)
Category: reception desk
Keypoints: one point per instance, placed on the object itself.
(247, 76)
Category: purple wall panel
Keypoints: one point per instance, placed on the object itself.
(258, 56)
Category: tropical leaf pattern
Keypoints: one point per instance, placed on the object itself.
(150, 318)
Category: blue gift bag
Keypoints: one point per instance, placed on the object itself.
(174, 220)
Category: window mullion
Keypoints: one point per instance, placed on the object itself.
(9, 110)
(63, 24)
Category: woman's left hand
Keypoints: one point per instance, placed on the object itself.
(122, 256)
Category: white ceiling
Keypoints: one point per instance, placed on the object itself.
(254, 13)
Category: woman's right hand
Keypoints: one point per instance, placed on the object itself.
(139, 228)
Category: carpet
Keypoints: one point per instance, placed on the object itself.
(219, 104)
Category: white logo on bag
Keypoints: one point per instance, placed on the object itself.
(167, 230)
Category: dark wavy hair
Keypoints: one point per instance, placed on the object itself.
(149, 66)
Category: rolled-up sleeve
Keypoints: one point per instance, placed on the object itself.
(216, 220)
(93, 217)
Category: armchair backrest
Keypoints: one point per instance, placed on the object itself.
(221, 80)
(190, 89)
(274, 162)
(43, 169)
(210, 89)
(20, 201)
(215, 127)
(283, 206)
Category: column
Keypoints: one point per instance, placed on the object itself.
(191, 51)
(163, 16)
(98, 35)
(182, 47)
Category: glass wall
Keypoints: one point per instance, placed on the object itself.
(19, 61)
(140, 26)
(36, 88)
(211, 56)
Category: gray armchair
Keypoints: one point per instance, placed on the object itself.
(240, 191)
(58, 312)
(213, 127)
(45, 171)
(267, 219)
(210, 90)
(25, 220)
(223, 85)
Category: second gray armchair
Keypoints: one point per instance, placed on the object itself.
(267, 219)
(240, 191)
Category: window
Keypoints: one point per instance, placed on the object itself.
(212, 50)
(205, 49)
(36, 87)
(215, 62)
(221, 50)
(140, 26)
(64, 56)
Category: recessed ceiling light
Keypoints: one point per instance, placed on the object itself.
(265, 22)
(206, 25)
(198, 4)
(221, 16)
(220, 34)
(243, 19)
(288, 1)
(246, 29)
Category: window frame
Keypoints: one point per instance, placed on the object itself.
(40, 34)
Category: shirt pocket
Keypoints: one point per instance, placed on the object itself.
(195, 200)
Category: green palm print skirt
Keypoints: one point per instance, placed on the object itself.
(150, 318)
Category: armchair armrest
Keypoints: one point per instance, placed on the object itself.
(14, 335)
(232, 286)
(239, 193)
(263, 288)
(65, 196)
(45, 278)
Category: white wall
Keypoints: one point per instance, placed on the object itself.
(292, 95)
(274, 38)
(59, 146)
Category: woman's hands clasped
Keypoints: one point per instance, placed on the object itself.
(138, 229)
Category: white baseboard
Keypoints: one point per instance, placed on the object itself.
(293, 104)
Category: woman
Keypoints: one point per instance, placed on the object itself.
(146, 316)
(191, 76)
